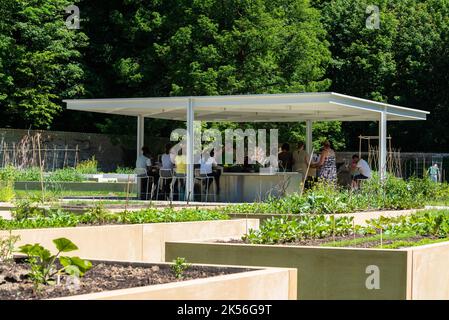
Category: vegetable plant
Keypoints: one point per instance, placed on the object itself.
(44, 265)
(179, 266)
(7, 247)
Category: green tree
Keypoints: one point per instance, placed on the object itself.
(205, 47)
(403, 62)
(39, 61)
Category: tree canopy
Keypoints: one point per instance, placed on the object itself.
(40, 61)
(130, 48)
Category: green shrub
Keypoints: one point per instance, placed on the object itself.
(325, 198)
(29, 174)
(6, 191)
(124, 170)
(26, 209)
(8, 173)
(65, 175)
(87, 166)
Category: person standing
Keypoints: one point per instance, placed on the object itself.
(327, 164)
(434, 173)
(180, 173)
(303, 164)
(285, 158)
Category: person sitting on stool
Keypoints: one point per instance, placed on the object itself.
(363, 171)
(209, 167)
(143, 163)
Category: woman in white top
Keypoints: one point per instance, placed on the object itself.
(167, 159)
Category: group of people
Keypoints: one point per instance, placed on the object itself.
(313, 168)
(322, 167)
(175, 164)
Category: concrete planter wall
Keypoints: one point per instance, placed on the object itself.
(265, 284)
(338, 273)
(139, 242)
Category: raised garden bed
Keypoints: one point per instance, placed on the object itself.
(138, 242)
(326, 272)
(119, 280)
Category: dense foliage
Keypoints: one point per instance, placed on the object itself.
(323, 198)
(40, 61)
(160, 48)
(403, 62)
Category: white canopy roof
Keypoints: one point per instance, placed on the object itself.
(295, 107)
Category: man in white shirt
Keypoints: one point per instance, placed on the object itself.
(207, 166)
(143, 163)
(363, 171)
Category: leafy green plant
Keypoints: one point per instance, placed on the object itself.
(8, 173)
(7, 246)
(89, 166)
(29, 174)
(6, 191)
(97, 215)
(43, 263)
(179, 266)
(280, 230)
(65, 175)
(57, 217)
(124, 170)
(25, 209)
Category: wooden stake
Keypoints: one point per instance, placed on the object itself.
(41, 169)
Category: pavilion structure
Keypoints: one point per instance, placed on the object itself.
(292, 107)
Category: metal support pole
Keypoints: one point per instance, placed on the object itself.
(309, 136)
(140, 134)
(190, 151)
(140, 143)
(383, 145)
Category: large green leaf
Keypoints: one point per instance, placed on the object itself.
(64, 245)
(36, 250)
(81, 264)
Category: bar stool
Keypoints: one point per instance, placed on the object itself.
(179, 177)
(165, 176)
(204, 178)
(143, 174)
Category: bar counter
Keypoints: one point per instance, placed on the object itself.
(255, 187)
